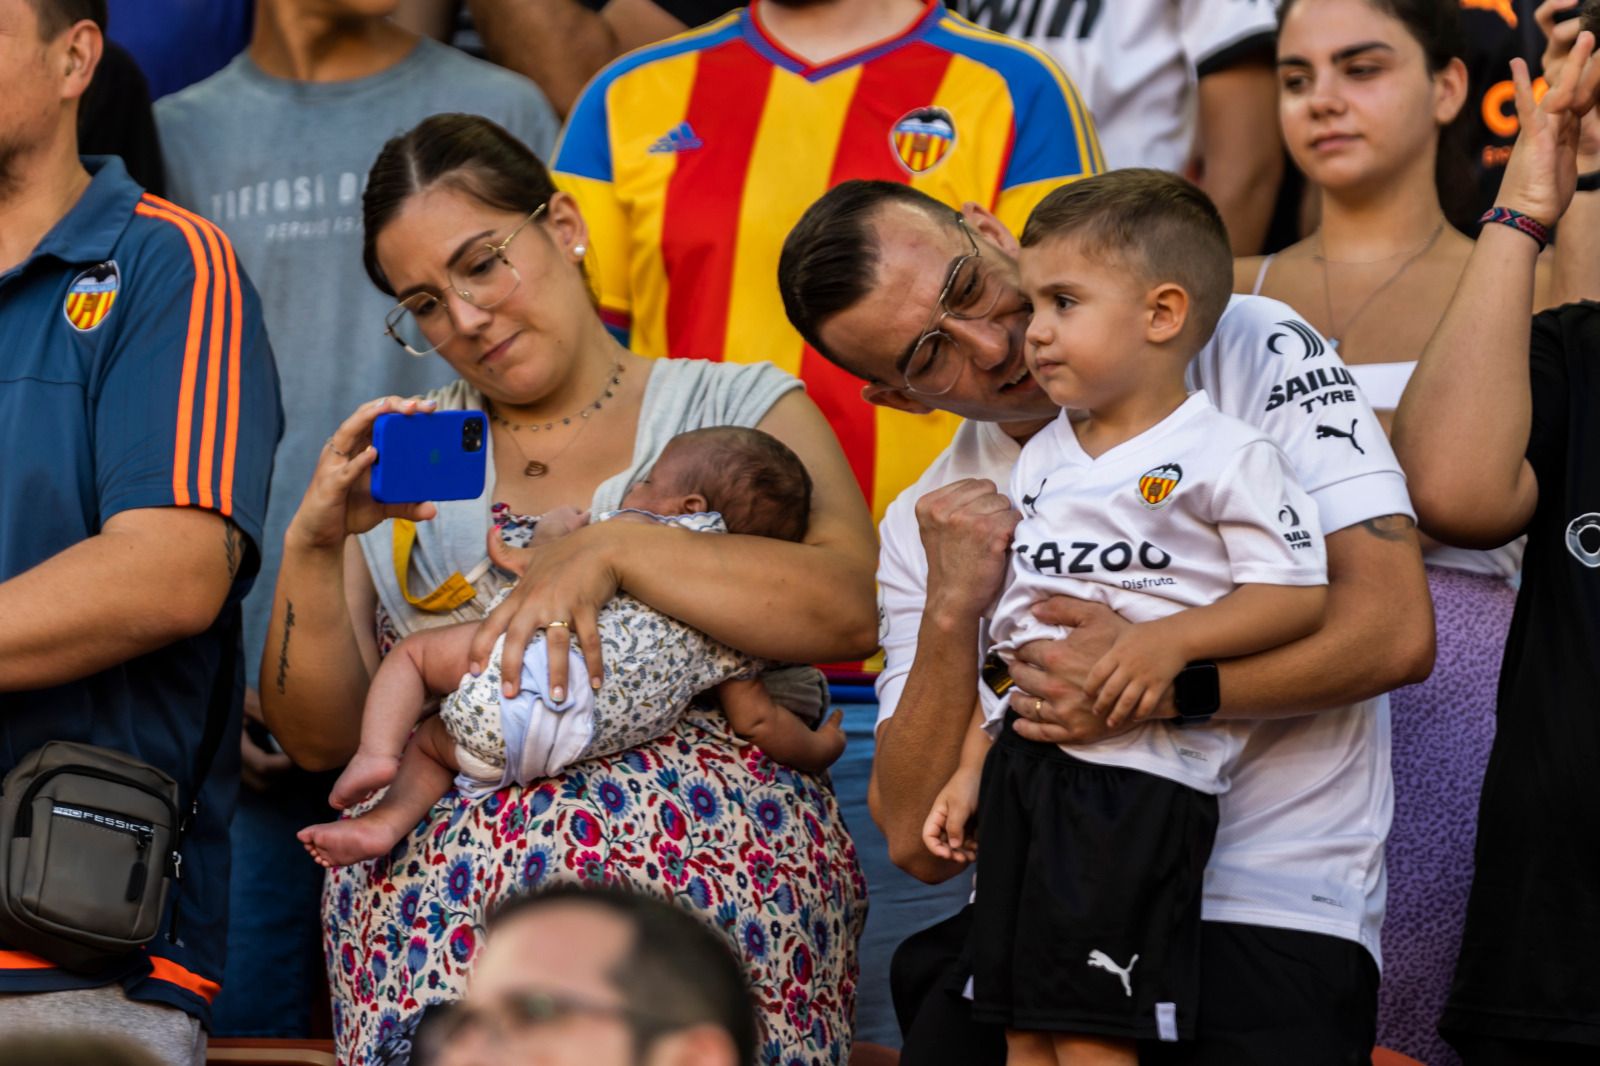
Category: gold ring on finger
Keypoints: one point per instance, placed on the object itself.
(1038, 705)
(563, 625)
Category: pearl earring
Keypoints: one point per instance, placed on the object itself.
(579, 250)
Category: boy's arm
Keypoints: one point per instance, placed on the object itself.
(950, 830)
(1130, 680)
(758, 718)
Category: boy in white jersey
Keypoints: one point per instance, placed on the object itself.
(1185, 521)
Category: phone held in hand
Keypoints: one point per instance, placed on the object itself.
(430, 456)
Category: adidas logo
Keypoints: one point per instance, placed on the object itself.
(681, 138)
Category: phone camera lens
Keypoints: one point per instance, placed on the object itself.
(472, 435)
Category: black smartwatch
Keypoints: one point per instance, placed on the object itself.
(1196, 693)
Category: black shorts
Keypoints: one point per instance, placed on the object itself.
(1088, 909)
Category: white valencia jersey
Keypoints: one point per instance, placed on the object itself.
(1137, 62)
(1300, 844)
(1177, 517)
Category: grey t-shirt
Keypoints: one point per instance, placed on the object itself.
(281, 165)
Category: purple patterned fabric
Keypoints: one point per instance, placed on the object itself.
(1442, 730)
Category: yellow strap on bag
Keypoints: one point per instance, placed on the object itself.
(455, 590)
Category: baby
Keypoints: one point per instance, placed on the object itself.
(1186, 522)
(722, 479)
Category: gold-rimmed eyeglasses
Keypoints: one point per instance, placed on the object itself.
(482, 276)
(970, 292)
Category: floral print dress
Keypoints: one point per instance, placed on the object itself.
(759, 851)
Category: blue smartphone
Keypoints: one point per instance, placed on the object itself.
(430, 456)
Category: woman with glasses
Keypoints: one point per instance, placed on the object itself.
(485, 260)
(1370, 102)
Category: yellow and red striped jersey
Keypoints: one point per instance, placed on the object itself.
(693, 158)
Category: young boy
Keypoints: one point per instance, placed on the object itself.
(1187, 522)
(724, 479)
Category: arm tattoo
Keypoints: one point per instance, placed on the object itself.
(283, 650)
(1390, 527)
(233, 545)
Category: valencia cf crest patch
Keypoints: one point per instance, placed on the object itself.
(923, 138)
(90, 296)
(1157, 484)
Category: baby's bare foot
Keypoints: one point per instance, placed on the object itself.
(350, 840)
(365, 775)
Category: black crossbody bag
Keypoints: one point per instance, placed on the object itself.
(91, 843)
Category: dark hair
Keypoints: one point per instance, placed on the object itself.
(56, 15)
(830, 258)
(677, 968)
(757, 483)
(1436, 26)
(1589, 18)
(1158, 225)
(467, 151)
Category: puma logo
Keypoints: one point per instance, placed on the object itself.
(1103, 961)
(1029, 501)
(1328, 431)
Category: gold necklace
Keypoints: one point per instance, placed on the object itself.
(536, 468)
(1335, 331)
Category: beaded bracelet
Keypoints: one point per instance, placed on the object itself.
(1519, 222)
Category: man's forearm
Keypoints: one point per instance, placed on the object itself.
(1378, 634)
(150, 578)
(920, 746)
(561, 44)
(1241, 161)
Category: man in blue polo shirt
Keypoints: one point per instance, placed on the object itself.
(138, 414)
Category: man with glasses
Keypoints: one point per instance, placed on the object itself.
(924, 305)
(595, 976)
(276, 147)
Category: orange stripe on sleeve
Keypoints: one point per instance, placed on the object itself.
(230, 437)
(167, 970)
(191, 348)
(208, 431)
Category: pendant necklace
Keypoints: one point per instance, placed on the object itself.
(1336, 331)
(535, 467)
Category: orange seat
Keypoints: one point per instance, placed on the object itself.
(250, 1051)
(1382, 1056)
(873, 1055)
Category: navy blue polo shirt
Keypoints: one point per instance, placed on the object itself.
(135, 372)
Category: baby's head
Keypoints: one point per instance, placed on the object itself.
(1122, 269)
(758, 485)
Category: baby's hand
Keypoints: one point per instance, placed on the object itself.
(1129, 680)
(951, 830)
(558, 522)
(830, 740)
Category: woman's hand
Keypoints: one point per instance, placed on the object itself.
(338, 502)
(1541, 175)
(565, 584)
(1559, 38)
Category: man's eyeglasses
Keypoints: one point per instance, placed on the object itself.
(969, 293)
(519, 1013)
(421, 323)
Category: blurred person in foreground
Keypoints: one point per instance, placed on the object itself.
(595, 977)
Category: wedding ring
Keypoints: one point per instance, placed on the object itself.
(563, 625)
(1038, 705)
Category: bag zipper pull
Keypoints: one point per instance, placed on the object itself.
(140, 870)
(177, 895)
